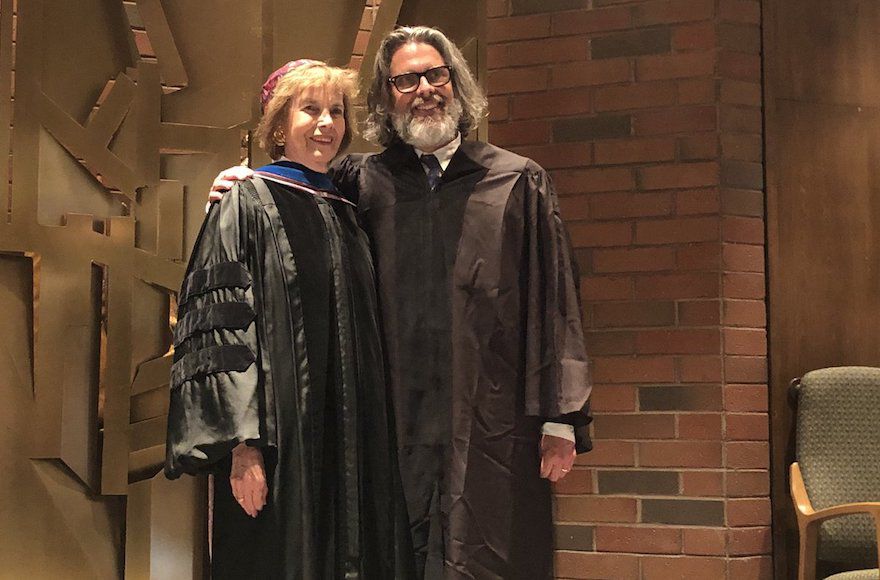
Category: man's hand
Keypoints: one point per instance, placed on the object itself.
(557, 457)
(226, 179)
(248, 479)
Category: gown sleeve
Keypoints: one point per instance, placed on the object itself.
(557, 373)
(217, 399)
(345, 173)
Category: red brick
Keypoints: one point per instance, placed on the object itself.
(590, 73)
(607, 453)
(674, 120)
(634, 151)
(696, 91)
(520, 132)
(640, 540)
(689, 341)
(737, 119)
(499, 108)
(745, 341)
(679, 454)
(745, 147)
(558, 155)
(547, 50)
(633, 369)
(699, 313)
(748, 483)
(747, 427)
(599, 179)
(697, 201)
(600, 234)
(699, 426)
(607, 288)
(574, 207)
(671, 11)
(743, 285)
(704, 542)
(735, 92)
(698, 36)
(496, 8)
(748, 512)
(748, 454)
(633, 260)
(702, 483)
(595, 509)
(745, 369)
(517, 80)
(742, 11)
(634, 426)
(610, 343)
(635, 96)
(698, 147)
(633, 314)
(742, 202)
(497, 56)
(758, 568)
(590, 565)
(578, 481)
(677, 230)
(743, 258)
(745, 398)
(586, 21)
(683, 568)
(700, 369)
(750, 541)
(675, 66)
(613, 398)
(698, 257)
(679, 176)
(744, 230)
(628, 205)
(517, 28)
(677, 286)
(739, 66)
(551, 104)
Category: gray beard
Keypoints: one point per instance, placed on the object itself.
(426, 133)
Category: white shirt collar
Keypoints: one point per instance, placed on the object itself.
(445, 153)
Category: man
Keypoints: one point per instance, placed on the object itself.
(481, 317)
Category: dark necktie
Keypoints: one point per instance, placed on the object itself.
(434, 171)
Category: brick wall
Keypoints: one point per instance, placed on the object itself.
(648, 116)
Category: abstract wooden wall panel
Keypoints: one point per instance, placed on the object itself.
(121, 113)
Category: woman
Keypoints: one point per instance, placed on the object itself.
(277, 384)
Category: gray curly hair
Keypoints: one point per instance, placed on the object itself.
(378, 126)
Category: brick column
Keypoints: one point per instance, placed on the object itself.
(648, 116)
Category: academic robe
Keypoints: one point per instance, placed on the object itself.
(277, 345)
(482, 329)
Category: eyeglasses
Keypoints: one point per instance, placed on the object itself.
(409, 82)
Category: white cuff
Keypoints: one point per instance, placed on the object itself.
(560, 430)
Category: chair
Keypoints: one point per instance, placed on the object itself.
(835, 483)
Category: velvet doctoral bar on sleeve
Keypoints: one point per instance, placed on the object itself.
(277, 345)
(483, 337)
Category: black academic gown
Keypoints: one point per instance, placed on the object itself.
(483, 337)
(277, 345)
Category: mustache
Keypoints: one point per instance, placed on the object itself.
(432, 98)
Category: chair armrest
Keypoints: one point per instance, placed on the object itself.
(809, 519)
(805, 509)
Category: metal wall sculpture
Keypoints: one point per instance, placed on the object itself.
(116, 116)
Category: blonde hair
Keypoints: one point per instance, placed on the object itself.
(290, 87)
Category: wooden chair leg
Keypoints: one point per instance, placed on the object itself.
(807, 553)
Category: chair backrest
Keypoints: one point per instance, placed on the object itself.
(838, 449)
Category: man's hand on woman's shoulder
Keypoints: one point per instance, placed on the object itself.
(226, 179)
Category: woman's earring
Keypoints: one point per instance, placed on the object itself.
(278, 137)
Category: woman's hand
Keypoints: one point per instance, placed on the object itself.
(226, 179)
(248, 479)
